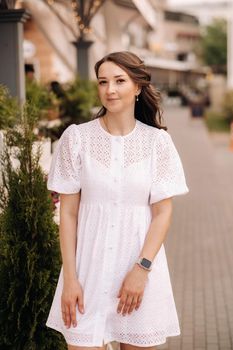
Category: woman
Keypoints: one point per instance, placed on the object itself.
(116, 175)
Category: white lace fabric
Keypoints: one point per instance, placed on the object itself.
(119, 177)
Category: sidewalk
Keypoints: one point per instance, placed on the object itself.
(200, 242)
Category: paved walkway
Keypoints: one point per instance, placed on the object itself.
(200, 242)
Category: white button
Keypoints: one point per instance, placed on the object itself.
(115, 203)
(115, 158)
(115, 180)
(110, 248)
(105, 292)
(113, 225)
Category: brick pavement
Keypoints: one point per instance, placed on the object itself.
(200, 241)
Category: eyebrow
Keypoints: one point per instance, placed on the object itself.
(115, 76)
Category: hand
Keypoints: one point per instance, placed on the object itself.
(72, 294)
(132, 290)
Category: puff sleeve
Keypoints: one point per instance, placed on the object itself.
(65, 170)
(168, 177)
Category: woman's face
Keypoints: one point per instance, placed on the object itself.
(116, 89)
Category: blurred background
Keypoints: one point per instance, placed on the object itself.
(48, 49)
(183, 43)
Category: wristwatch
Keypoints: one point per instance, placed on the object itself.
(145, 263)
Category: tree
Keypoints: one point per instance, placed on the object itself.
(9, 113)
(213, 45)
(29, 249)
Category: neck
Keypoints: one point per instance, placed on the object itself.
(119, 124)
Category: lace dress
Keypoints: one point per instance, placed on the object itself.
(119, 177)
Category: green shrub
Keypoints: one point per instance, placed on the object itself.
(212, 47)
(75, 101)
(29, 249)
(81, 97)
(40, 96)
(216, 121)
(227, 106)
(9, 111)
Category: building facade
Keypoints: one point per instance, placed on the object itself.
(165, 39)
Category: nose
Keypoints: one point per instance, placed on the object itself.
(111, 88)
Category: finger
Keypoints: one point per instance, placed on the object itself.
(63, 311)
(63, 316)
(133, 305)
(121, 302)
(127, 305)
(80, 302)
(67, 316)
(139, 300)
(73, 315)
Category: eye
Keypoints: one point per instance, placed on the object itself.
(102, 82)
(120, 81)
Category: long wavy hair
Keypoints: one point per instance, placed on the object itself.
(147, 108)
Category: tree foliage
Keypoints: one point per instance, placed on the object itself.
(213, 45)
(9, 112)
(29, 249)
(227, 106)
(41, 97)
(80, 97)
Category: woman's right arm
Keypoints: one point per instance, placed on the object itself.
(72, 291)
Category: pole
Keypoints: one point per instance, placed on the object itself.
(11, 51)
(82, 47)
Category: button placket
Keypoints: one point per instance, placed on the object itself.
(117, 149)
(116, 167)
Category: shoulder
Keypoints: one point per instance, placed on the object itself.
(157, 135)
(76, 130)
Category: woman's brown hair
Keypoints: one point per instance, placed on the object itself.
(147, 108)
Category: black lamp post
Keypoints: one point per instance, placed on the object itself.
(84, 11)
(82, 47)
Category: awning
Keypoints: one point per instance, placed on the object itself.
(162, 63)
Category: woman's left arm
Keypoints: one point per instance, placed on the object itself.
(161, 219)
(132, 289)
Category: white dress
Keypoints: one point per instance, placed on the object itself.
(119, 177)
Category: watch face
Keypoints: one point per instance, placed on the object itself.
(146, 263)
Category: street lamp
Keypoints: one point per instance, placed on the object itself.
(83, 12)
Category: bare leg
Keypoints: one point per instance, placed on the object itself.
(133, 347)
(72, 347)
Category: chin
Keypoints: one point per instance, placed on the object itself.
(112, 109)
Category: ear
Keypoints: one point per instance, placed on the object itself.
(138, 90)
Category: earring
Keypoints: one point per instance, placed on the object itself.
(137, 98)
